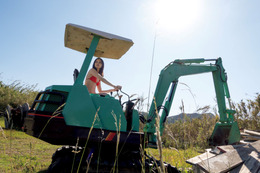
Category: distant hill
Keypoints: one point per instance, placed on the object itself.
(172, 119)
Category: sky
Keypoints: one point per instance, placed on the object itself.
(32, 47)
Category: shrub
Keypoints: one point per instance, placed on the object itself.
(187, 133)
(16, 94)
(248, 113)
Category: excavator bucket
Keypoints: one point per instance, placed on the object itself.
(225, 134)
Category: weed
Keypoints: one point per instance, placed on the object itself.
(55, 114)
(118, 127)
(158, 136)
(3, 133)
(95, 118)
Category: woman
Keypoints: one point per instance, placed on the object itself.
(95, 75)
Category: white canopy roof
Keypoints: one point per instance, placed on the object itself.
(110, 46)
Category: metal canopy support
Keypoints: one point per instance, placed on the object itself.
(88, 58)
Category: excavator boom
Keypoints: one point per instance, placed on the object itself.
(226, 130)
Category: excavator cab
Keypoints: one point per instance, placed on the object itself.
(65, 114)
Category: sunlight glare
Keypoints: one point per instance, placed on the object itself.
(176, 15)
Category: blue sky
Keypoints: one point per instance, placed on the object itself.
(33, 52)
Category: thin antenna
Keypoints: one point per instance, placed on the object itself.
(148, 104)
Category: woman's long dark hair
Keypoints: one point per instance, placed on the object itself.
(101, 69)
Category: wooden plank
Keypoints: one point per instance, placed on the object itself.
(227, 148)
(221, 163)
(193, 161)
(244, 142)
(200, 158)
(243, 134)
(236, 169)
(252, 132)
(252, 164)
(250, 137)
(255, 146)
(227, 161)
(196, 169)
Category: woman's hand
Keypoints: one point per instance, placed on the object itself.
(118, 87)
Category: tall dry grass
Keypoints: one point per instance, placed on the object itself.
(15, 94)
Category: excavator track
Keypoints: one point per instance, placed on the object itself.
(78, 159)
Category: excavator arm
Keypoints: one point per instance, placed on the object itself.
(168, 79)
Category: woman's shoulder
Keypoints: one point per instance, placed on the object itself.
(90, 73)
(92, 70)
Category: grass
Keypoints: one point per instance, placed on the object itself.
(22, 153)
(175, 157)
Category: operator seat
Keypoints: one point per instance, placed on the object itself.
(75, 74)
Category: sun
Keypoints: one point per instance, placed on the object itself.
(176, 15)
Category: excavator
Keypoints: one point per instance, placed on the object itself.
(99, 133)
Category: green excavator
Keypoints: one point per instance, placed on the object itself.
(98, 132)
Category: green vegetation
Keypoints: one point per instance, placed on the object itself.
(176, 157)
(248, 113)
(182, 140)
(189, 133)
(22, 153)
(16, 94)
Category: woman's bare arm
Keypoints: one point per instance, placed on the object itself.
(98, 76)
(105, 91)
